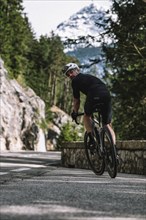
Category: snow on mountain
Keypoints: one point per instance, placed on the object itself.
(82, 27)
(83, 23)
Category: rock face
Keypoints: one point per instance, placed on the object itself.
(21, 116)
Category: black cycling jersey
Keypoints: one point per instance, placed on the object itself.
(85, 83)
(96, 92)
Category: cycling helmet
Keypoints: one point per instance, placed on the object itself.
(70, 66)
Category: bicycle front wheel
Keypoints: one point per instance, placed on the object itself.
(96, 162)
(110, 153)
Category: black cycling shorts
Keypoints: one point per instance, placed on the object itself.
(92, 100)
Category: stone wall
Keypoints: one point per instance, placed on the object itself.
(132, 156)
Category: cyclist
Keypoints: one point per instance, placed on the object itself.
(96, 92)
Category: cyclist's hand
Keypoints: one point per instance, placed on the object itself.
(74, 115)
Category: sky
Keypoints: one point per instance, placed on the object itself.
(46, 15)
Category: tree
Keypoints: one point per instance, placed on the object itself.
(126, 56)
(38, 63)
(45, 73)
(15, 36)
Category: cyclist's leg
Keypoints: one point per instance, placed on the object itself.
(88, 123)
(106, 112)
(87, 119)
(112, 132)
(88, 113)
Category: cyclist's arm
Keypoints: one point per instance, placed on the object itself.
(76, 104)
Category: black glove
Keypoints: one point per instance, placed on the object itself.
(74, 115)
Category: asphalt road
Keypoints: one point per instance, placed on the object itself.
(35, 186)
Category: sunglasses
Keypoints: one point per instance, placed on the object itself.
(68, 73)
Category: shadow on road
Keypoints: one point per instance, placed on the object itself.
(74, 194)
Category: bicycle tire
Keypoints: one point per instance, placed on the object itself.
(96, 162)
(110, 153)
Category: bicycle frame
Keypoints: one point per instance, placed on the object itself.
(99, 127)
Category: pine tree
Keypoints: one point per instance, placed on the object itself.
(127, 58)
(15, 36)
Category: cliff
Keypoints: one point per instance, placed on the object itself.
(21, 116)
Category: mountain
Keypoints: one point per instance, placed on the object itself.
(83, 23)
(81, 36)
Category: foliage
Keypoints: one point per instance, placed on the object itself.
(15, 36)
(34, 63)
(47, 60)
(39, 63)
(70, 132)
(126, 56)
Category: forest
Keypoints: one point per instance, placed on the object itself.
(38, 63)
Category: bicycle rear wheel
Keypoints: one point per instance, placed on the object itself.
(110, 153)
(96, 162)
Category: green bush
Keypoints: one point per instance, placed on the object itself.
(70, 132)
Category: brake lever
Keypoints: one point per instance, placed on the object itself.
(76, 121)
(79, 114)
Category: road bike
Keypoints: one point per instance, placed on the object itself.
(103, 155)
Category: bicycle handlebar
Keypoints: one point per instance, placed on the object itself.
(78, 114)
(97, 121)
